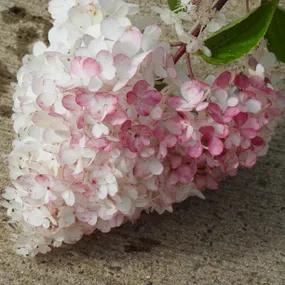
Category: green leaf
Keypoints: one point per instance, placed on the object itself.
(276, 34)
(238, 38)
(173, 4)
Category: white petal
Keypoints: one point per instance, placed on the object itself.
(34, 217)
(66, 217)
(69, 156)
(111, 29)
(220, 96)
(38, 192)
(99, 130)
(39, 48)
(68, 198)
(155, 167)
(92, 218)
(46, 223)
(46, 99)
(233, 101)
(94, 31)
(125, 205)
(129, 44)
(253, 106)
(268, 60)
(95, 84)
(79, 166)
(97, 45)
(59, 9)
(79, 17)
(105, 59)
(113, 189)
(103, 192)
(10, 193)
(151, 36)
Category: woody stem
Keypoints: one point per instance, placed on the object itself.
(181, 51)
(196, 31)
(189, 66)
(220, 4)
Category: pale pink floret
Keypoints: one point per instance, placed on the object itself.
(85, 67)
(193, 95)
(144, 98)
(135, 137)
(211, 141)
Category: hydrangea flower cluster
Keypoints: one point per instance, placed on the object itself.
(98, 142)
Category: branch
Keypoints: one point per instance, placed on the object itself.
(196, 31)
(189, 66)
(179, 53)
(252, 62)
(177, 44)
(220, 4)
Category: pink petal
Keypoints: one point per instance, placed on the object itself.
(88, 66)
(174, 126)
(140, 87)
(195, 151)
(258, 141)
(143, 109)
(223, 80)
(105, 59)
(175, 161)
(116, 118)
(152, 97)
(69, 103)
(215, 146)
(176, 102)
(186, 172)
(207, 131)
(216, 113)
(131, 97)
(91, 67)
(248, 159)
(230, 113)
(83, 99)
(202, 106)
(242, 81)
(76, 65)
(240, 119)
(125, 70)
(156, 113)
(193, 91)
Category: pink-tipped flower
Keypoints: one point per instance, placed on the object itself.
(144, 98)
(193, 97)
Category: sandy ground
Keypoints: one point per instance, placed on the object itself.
(236, 236)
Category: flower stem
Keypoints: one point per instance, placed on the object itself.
(189, 66)
(181, 51)
(220, 4)
(196, 31)
(177, 44)
(252, 62)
